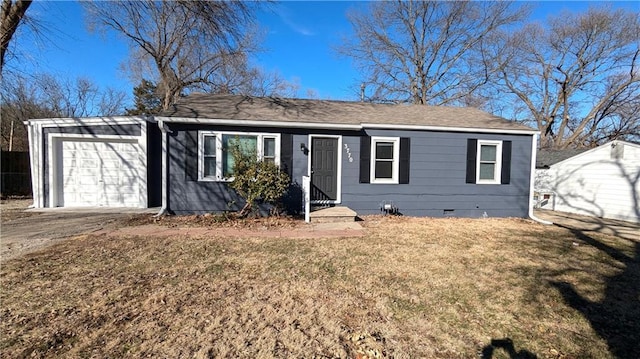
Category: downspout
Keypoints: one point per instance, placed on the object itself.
(165, 161)
(534, 152)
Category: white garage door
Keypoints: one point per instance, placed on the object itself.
(99, 173)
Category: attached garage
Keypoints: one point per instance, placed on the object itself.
(96, 162)
(96, 173)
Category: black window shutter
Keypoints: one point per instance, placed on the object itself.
(405, 160)
(472, 147)
(191, 155)
(286, 153)
(365, 158)
(505, 176)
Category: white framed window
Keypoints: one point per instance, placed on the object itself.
(269, 149)
(215, 162)
(488, 162)
(209, 156)
(385, 159)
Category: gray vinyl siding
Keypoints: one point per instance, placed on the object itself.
(436, 182)
(123, 130)
(437, 178)
(192, 196)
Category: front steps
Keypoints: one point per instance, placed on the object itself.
(333, 214)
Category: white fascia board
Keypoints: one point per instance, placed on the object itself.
(94, 121)
(448, 129)
(265, 123)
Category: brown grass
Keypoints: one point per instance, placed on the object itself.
(433, 288)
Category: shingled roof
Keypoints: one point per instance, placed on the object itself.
(270, 109)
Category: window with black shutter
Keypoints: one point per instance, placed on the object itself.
(488, 161)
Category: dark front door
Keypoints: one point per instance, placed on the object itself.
(324, 168)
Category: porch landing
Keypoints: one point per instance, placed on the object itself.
(333, 214)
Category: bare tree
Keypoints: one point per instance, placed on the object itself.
(78, 98)
(44, 96)
(577, 77)
(11, 17)
(238, 77)
(425, 52)
(187, 42)
(19, 101)
(265, 83)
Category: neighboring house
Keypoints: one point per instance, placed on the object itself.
(543, 189)
(601, 182)
(423, 160)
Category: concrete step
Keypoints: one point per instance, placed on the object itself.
(333, 214)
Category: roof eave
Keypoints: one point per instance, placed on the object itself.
(451, 129)
(265, 123)
(337, 126)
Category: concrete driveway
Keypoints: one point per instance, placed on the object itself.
(622, 229)
(23, 230)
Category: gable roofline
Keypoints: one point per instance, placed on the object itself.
(596, 149)
(335, 126)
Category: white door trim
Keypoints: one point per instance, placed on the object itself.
(338, 199)
(53, 160)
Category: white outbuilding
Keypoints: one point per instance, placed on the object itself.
(601, 182)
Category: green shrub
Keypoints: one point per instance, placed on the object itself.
(256, 180)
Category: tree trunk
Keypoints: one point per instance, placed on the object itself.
(12, 15)
(246, 210)
(11, 135)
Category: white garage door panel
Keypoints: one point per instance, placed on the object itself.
(100, 173)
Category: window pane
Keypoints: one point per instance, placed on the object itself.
(269, 149)
(487, 152)
(487, 171)
(248, 145)
(384, 169)
(384, 150)
(210, 145)
(209, 167)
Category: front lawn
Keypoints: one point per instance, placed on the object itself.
(432, 288)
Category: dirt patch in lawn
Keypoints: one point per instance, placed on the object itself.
(435, 288)
(216, 226)
(22, 232)
(12, 209)
(210, 220)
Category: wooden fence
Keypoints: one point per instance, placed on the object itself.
(15, 174)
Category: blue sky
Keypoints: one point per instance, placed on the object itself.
(299, 42)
